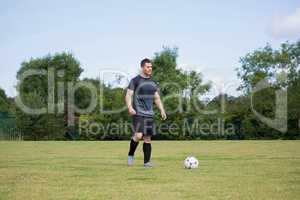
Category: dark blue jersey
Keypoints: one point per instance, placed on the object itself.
(143, 96)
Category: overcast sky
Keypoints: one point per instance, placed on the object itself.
(211, 35)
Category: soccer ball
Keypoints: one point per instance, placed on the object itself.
(191, 162)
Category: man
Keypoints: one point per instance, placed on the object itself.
(141, 93)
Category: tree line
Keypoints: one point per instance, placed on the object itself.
(268, 107)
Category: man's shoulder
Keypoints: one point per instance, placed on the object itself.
(133, 84)
(136, 78)
(155, 82)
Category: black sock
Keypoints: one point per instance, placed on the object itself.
(133, 146)
(147, 152)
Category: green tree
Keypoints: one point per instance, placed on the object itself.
(180, 90)
(4, 102)
(34, 93)
(280, 68)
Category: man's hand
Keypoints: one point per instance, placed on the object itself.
(131, 111)
(163, 115)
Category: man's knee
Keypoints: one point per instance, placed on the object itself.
(138, 136)
(147, 139)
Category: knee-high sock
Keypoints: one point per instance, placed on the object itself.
(147, 152)
(132, 148)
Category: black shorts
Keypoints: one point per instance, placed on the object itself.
(143, 125)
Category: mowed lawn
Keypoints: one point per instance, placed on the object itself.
(97, 170)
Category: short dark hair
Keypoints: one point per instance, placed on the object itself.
(144, 61)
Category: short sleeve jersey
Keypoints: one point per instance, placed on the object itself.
(143, 96)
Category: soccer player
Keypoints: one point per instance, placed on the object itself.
(141, 93)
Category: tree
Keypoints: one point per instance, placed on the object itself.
(180, 90)
(35, 90)
(281, 69)
(4, 102)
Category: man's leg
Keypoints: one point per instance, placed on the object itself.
(147, 150)
(133, 145)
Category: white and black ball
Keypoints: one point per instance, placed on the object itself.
(191, 162)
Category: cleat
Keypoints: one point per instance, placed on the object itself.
(130, 160)
(148, 165)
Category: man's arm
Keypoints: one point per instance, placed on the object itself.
(128, 100)
(160, 105)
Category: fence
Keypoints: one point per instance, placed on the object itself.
(8, 129)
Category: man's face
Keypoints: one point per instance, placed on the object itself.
(147, 69)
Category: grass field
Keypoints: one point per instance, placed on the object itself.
(97, 170)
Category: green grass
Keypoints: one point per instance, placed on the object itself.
(97, 170)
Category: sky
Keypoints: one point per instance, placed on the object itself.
(116, 35)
